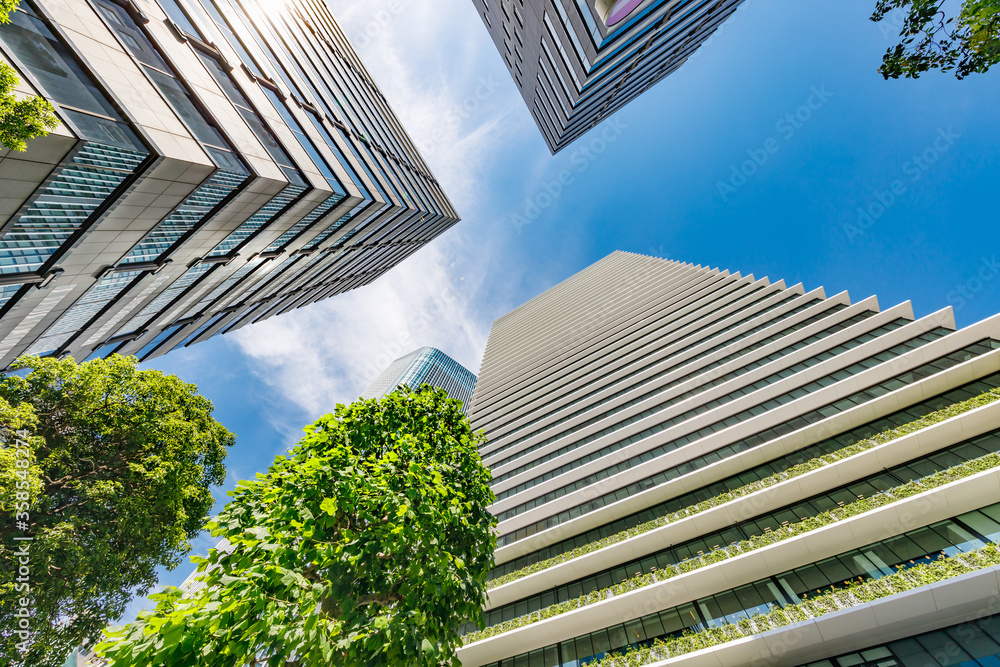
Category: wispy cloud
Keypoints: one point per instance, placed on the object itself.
(330, 351)
(430, 65)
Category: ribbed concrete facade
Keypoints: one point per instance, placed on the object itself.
(682, 450)
(425, 365)
(577, 62)
(218, 162)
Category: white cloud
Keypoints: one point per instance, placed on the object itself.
(429, 58)
(330, 351)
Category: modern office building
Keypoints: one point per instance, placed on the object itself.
(430, 365)
(219, 162)
(576, 62)
(703, 468)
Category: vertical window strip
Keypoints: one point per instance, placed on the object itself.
(222, 287)
(191, 212)
(164, 298)
(64, 205)
(305, 222)
(94, 300)
(258, 220)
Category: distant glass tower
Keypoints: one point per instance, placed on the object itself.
(426, 364)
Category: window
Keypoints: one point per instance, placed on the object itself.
(304, 140)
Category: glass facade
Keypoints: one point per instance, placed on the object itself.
(192, 212)
(110, 154)
(972, 644)
(85, 308)
(150, 122)
(700, 370)
(726, 398)
(754, 474)
(750, 309)
(609, 51)
(759, 525)
(874, 561)
(678, 449)
(425, 365)
(259, 220)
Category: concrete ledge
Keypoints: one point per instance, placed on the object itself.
(897, 400)
(920, 443)
(939, 605)
(935, 505)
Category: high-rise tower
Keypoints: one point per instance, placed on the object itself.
(789, 477)
(430, 365)
(218, 162)
(576, 62)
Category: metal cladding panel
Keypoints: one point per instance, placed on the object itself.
(576, 62)
(197, 173)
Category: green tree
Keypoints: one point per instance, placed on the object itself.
(369, 544)
(964, 44)
(121, 465)
(20, 119)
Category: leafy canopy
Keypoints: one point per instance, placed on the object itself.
(122, 462)
(964, 44)
(369, 544)
(20, 119)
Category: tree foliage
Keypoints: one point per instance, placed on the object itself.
(964, 44)
(369, 544)
(20, 119)
(122, 462)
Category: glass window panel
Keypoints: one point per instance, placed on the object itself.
(177, 15)
(584, 647)
(129, 32)
(983, 525)
(635, 632)
(618, 637)
(944, 649)
(602, 642)
(958, 536)
(181, 102)
(929, 540)
(652, 625)
(104, 131)
(52, 64)
(811, 578)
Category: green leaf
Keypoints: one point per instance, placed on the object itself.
(371, 588)
(329, 506)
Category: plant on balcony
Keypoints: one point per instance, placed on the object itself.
(846, 596)
(777, 478)
(860, 506)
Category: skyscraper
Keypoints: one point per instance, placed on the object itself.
(430, 365)
(576, 62)
(219, 162)
(679, 450)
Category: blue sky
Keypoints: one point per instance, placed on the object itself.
(873, 187)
